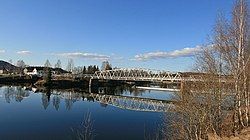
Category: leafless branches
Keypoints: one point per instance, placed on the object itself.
(85, 131)
(222, 96)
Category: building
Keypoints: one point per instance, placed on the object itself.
(40, 71)
(3, 71)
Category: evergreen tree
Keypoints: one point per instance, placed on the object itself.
(84, 71)
(48, 77)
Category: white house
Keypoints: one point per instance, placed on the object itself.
(33, 72)
(39, 71)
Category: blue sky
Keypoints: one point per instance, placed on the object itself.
(156, 34)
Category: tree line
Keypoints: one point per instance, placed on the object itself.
(91, 69)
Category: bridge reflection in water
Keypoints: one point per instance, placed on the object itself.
(134, 103)
(123, 102)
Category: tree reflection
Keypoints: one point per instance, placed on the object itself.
(103, 105)
(90, 99)
(118, 90)
(15, 93)
(21, 94)
(56, 102)
(85, 131)
(7, 94)
(46, 98)
(70, 96)
(68, 104)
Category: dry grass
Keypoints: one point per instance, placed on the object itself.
(243, 135)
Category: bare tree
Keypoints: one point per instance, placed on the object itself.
(240, 39)
(47, 64)
(106, 65)
(78, 70)
(20, 63)
(85, 131)
(231, 41)
(223, 72)
(70, 66)
(58, 64)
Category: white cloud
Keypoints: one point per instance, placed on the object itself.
(93, 56)
(185, 52)
(2, 51)
(24, 52)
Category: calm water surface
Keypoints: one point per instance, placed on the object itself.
(25, 115)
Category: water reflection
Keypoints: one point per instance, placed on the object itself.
(55, 122)
(69, 98)
(15, 93)
(56, 101)
(85, 131)
(118, 90)
(105, 96)
(45, 100)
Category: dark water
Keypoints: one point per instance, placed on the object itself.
(25, 115)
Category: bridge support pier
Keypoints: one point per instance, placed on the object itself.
(90, 85)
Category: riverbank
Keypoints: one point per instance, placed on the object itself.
(243, 135)
(8, 79)
(58, 82)
(63, 84)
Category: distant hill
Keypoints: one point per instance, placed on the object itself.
(7, 66)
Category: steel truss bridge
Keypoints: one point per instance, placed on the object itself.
(134, 103)
(137, 75)
(150, 75)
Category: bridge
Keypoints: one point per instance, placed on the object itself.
(150, 75)
(137, 75)
(134, 75)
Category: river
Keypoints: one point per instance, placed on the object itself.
(58, 114)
